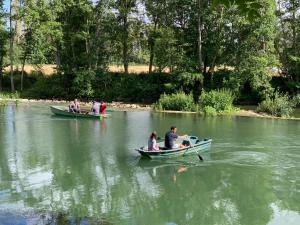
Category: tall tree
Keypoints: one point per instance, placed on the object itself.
(287, 41)
(199, 25)
(155, 13)
(125, 8)
(3, 39)
(11, 44)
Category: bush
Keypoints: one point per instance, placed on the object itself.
(220, 100)
(145, 88)
(47, 88)
(296, 99)
(178, 101)
(82, 84)
(9, 95)
(210, 111)
(277, 105)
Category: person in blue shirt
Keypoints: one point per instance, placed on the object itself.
(170, 138)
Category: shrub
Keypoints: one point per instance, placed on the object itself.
(82, 84)
(178, 101)
(220, 100)
(210, 111)
(47, 88)
(296, 99)
(277, 105)
(9, 95)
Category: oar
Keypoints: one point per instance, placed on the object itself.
(200, 157)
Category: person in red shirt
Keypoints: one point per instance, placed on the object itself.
(102, 108)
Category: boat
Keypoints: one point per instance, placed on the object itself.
(64, 111)
(198, 145)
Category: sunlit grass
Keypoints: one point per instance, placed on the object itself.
(9, 95)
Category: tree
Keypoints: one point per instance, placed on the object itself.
(155, 12)
(3, 40)
(255, 50)
(287, 42)
(124, 10)
(11, 45)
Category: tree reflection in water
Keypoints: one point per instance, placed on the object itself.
(41, 218)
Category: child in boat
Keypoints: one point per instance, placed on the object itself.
(152, 145)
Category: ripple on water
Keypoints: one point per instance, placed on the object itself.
(245, 158)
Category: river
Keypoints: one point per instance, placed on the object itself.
(70, 171)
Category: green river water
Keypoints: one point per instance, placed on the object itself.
(56, 170)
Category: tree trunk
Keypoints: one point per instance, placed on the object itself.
(96, 46)
(1, 73)
(22, 73)
(57, 59)
(200, 35)
(125, 43)
(1, 78)
(152, 43)
(151, 57)
(205, 64)
(18, 27)
(11, 49)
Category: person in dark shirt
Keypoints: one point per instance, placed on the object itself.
(171, 136)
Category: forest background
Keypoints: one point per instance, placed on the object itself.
(251, 48)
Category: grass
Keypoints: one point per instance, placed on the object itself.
(7, 96)
(51, 69)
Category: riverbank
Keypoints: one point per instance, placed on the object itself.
(121, 106)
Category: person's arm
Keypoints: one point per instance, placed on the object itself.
(183, 136)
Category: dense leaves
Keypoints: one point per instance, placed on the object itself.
(204, 44)
(277, 105)
(220, 100)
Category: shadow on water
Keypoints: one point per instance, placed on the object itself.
(47, 218)
(187, 161)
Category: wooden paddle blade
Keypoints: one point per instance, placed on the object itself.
(200, 157)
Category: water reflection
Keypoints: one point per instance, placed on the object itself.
(85, 171)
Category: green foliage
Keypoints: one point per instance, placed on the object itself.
(210, 111)
(277, 105)
(82, 84)
(254, 70)
(296, 99)
(186, 82)
(52, 87)
(80, 36)
(168, 52)
(220, 100)
(130, 87)
(177, 101)
(9, 95)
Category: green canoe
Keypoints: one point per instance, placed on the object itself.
(198, 146)
(63, 111)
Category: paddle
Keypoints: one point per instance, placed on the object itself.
(200, 157)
